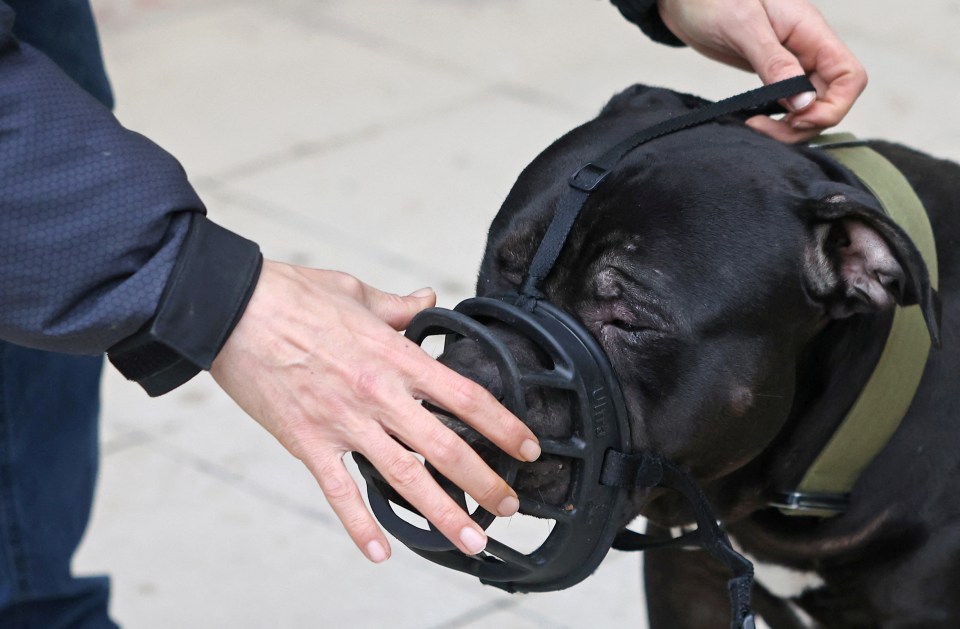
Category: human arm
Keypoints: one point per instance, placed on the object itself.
(777, 39)
(105, 246)
(94, 223)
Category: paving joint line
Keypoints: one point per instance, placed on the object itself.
(379, 43)
(241, 482)
(302, 150)
(126, 440)
(328, 232)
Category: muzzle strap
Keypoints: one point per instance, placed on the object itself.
(631, 470)
(587, 178)
(741, 616)
(641, 470)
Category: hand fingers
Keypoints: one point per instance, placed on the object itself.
(456, 460)
(405, 473)
(461, 396)
(397, 311)
(840, 81)
(772, 61)
(477, 408)
(782, 130)
(834, 70)
(344, 497)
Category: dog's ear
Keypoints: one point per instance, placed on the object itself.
(858, 260)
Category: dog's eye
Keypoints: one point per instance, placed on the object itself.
(623, 331)
(628, 326)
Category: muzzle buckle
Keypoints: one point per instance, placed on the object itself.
(588, 177)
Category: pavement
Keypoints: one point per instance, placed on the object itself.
(379, 138)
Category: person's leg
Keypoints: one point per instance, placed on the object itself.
(65, 31)
(49, 406)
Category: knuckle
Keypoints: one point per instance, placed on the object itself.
(359, 525)
(469, 396)
(367, 383)
(491, 492)
(294, 433)
(781, 66)
(337, 488)
(406, 473)
(445, 449)
(350, 285)
(446, 518)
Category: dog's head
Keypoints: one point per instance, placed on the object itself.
(703, 265)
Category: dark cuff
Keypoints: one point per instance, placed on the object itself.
(208, 290)
(644, 14)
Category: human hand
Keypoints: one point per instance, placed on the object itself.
(316, 359)
(777, 39)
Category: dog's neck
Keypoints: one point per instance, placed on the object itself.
(832, 371)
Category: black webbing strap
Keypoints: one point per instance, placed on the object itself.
(585, 180)
(643, 470)
(631, 469)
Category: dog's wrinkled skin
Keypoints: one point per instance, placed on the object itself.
(742, 289)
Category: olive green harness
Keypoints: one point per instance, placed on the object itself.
(882, 404)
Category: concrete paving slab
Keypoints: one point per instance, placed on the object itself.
(278, 85)
(611, 597)
(187, 549)
(322, 237)
(909, 100)
(567, 55)
(438, 184)
(494, 615)
(926, 29)
(549, 51)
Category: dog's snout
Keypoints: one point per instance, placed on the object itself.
(608, 285)
(466, 432)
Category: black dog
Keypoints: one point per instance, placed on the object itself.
(743, 290)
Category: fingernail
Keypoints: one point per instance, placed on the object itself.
(802, 125)
(474, 540)
(423, 292)
(376, 552)
(508, 506)
(801, 101)
(529, 450)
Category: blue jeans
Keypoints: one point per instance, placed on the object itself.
(49, 406)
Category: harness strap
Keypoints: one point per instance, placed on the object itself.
(883, 403)
(584, 181)
(644, 470)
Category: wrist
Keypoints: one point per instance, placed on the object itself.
(205, 296)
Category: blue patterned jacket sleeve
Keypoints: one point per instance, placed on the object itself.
(103, 242)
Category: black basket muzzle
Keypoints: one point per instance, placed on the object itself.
(598, 449)
(588, 518)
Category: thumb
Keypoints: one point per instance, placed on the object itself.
(395, 310)
(775, 63)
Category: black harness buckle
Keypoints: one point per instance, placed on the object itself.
(588, 177)
(810, 503)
